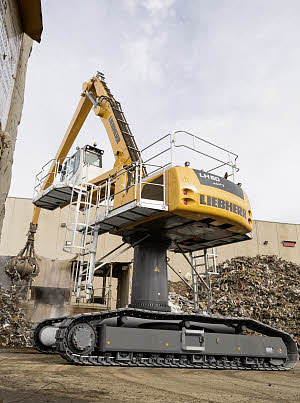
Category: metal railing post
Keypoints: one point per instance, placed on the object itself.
(172, 148)
(194, 284)
(108, 196)
(135, 176)
(91, 264)
(110, 286)
(78, 291)
(140, 181)
(207, 278)
(164, 187)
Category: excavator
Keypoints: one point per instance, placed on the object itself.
(155, 208)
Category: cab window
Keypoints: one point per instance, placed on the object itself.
(70, 167)
(93, 159)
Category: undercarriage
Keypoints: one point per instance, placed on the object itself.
(135, 337)
(147, 334)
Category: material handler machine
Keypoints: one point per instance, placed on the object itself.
(154, 207)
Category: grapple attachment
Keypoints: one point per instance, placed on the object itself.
(25, 265)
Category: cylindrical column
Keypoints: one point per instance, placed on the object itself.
(150, 277)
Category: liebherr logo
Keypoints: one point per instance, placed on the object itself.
(208, 176)
(223, 204)
(114, 129)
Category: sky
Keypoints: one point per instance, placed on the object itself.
(225, 70)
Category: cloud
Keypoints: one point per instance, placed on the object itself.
(156, 8)
(143, 61)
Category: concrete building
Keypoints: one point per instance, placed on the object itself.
(20, 24)
(269, 238)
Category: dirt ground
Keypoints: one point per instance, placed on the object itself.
(28, 376)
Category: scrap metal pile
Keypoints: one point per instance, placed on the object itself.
(14, 327)
(180, 297)
(266, 288)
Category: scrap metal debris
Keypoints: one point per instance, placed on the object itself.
(14, 327)
(266, 288)
(180, 297)
(180, 304)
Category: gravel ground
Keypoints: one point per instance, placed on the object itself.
(28, 376)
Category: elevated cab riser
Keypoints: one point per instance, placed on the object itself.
(150, 278)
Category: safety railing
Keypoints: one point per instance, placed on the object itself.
(100, 295)
(81, 212)
(133, 177)
(176, 149)
(48, 174)
(182, 148)
(101, 298)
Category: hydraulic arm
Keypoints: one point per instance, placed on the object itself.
(95, 95)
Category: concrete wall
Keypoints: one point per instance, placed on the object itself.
(50, 238)
(267, 240)
(50, 235)
(15, 48)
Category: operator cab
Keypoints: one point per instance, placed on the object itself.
(79, 169)
(83, 166)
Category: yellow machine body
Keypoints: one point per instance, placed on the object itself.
(203, 210)
(216, 198)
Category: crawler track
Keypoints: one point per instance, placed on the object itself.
(165, 360)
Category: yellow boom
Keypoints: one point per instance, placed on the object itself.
(97, 95)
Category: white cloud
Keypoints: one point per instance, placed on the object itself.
(142, 61)
(158, 6)
(155, 7)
